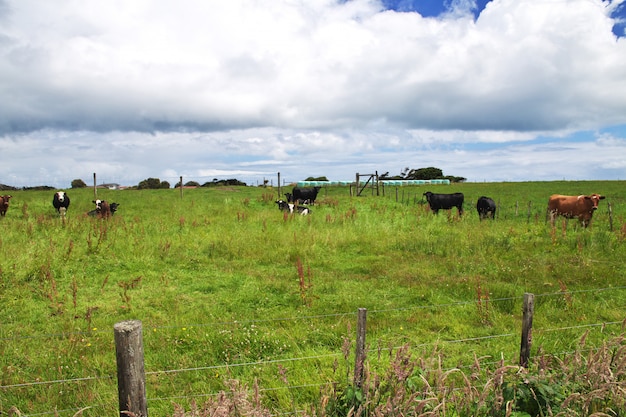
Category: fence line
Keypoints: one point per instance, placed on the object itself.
(213, 394)
(288, 387)
(304, 358)
(295, 359)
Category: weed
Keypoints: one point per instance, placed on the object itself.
(126, 286)
(482, 303)
(304, 283)
(567, 296)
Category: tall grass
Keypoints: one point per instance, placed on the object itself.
(222, 277)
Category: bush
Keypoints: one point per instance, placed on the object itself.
(153, 184)
(78, 183)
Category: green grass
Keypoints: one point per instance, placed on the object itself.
(215, 279)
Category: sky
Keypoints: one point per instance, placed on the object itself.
(499, 90)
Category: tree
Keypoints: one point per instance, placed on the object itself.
(152, 184)
(78, 183)
(188, 184)
(430, 173)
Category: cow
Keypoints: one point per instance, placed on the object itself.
(486, 208)
(98, 209)
(304, 195)
(568, 206)
(61, 202)
(445, 201)
(4, 204)
(291, 208)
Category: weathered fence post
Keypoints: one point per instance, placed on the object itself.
(530, 203)
(181, 187)
(527, 329)
(359, 361)
(131, 378)
(610, 217)
(95, 188)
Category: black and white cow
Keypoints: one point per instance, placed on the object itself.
(486, 208)
(61, 202)
(304, 195)
(291, 208)
(445, 201)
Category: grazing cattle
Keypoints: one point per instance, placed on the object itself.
(445, 201)
(290, 208)
(304, 195)
(61, 202)
(569, 206)
(486, 208)
(4, 204)
(103, 208)
(98, 209)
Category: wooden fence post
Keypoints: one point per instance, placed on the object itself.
(181, 187)
(360, 355)
(530, 203)
(131, 378)
(95, 188)
(610, 217)
(527, 329)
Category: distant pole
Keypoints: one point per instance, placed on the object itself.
(131, 377)
(95, 190)
(610, 217)
(527, 328)
(279, 186)
(181, 187)
(360, 348)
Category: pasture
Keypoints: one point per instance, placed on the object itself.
(229, 287)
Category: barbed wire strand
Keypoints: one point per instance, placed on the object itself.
(295, 359)
(290, 387)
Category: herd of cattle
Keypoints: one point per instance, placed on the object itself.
(570, 207)
(299, 200)
(61, 202)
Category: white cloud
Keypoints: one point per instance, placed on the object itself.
(143, 88)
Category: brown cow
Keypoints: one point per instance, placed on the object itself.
(568, 206)
(103, 209)
(4, 204)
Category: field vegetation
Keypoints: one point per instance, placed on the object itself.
(239, 297)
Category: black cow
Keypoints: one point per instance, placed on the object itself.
(445, 201)
(304, 195)
(486, 208)
(61, 202)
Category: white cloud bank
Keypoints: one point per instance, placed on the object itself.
(137, 89)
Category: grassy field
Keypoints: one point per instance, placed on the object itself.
(228, 287)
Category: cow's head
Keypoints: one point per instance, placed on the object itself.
(428, 194)
(5, 198)
(61, 195)
(98, 204)
(594, 199)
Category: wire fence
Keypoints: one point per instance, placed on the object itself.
(542, 335)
